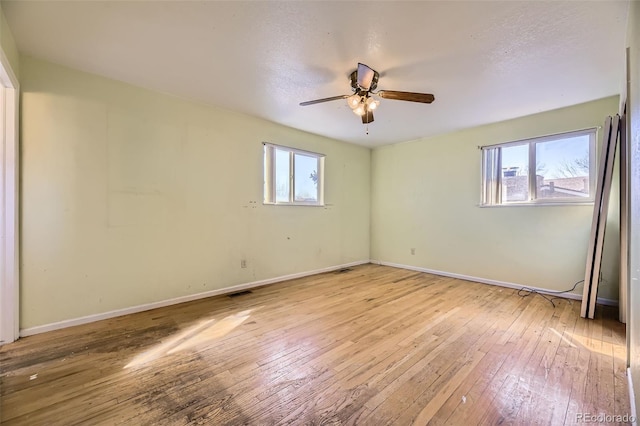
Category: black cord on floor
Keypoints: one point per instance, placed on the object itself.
(526, 291)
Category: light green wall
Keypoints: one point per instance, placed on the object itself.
(426, 194)
(633, 114)
(131, 196)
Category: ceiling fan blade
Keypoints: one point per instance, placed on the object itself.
(318, 101)
(365, 76)
(367, 117)
(425, 98)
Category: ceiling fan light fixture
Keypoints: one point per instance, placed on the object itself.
(353, 101)
(359, 110)
(372, 104)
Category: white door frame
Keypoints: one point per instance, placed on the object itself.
(9, 204)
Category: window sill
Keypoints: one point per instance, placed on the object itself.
(294, 204)
(539, 204)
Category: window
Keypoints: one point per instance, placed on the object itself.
(292, 176)
(546, 170)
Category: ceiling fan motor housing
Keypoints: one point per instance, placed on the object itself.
(354, 82)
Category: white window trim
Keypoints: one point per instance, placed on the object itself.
(269, 180)
(488, 199)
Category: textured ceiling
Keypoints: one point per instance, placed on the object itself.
(484, 61)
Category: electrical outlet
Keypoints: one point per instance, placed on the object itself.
(243, 263)
(413, 251)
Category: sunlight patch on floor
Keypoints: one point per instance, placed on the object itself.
(561, 336)
(205, 331)
(596, 346)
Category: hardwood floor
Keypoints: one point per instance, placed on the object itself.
(374, 345)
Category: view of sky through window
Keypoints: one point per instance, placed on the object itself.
(563, 158)
(305, 187)
(562, 169)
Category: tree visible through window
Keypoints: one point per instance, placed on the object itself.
(292, 176)
(563, 168)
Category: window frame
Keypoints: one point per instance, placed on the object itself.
(491, 187)
(269, 172)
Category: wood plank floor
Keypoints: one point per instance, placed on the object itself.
(373, 345)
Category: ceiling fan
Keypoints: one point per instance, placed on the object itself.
(364, 80)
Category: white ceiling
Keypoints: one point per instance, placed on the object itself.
(484, 61)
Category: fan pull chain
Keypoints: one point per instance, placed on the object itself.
(367, 128)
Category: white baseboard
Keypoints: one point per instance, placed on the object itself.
(632, 398)
(574, 296)
(147, 306)
(140, 308)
